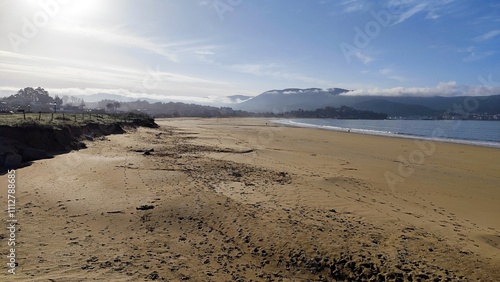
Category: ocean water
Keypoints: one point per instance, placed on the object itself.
(474, 132)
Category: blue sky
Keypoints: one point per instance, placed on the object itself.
(202, 50)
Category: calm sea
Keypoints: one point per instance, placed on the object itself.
(481, 133)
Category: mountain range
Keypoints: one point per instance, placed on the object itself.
(310, 99)
(313, 98)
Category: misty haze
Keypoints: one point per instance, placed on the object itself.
(238, 140)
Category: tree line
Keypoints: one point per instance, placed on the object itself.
(38, 100)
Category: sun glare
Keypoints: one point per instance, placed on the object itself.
(82, 9)
(62, 10)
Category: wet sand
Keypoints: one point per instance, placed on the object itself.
(242, 200)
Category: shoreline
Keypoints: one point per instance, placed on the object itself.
(470, 142)
(229, 199)
(453, 167)
(450, 163)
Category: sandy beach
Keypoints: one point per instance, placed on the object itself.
(250, 200)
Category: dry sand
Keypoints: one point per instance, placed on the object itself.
(239, 200)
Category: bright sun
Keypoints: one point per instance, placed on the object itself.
(81, 9)
(54, 10)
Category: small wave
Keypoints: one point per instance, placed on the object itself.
(483, 143)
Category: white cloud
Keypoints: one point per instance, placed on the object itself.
(476, 56)
(410, 13)
(432, 15)
(126, 39)
(389, 73)
(352, 6)
(271, 70)
(488, 35)
(473, 54)
(7, 90)
(365, 59)
(449, 89)
(385, 71)
(133, 95)
(48, 72)
(82, 92)
(256, 69)
(6, 55)
(406, 9)
(204, 52)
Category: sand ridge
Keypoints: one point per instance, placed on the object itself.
(239, 200)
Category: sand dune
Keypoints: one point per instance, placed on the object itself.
(239, 200)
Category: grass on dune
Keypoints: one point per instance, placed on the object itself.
(71, 119)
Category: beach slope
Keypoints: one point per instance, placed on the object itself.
(249, 200)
